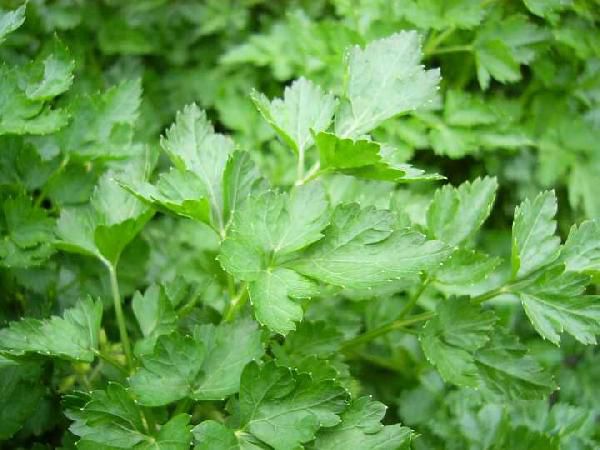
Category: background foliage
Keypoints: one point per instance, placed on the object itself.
(87, 89)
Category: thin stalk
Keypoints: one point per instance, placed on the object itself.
(300, 165)
(148, 416)
(312, 173)
(413, 300)
(114, 286)
(451, 49)
(183, 406)
(436, 40)
(110, 360)
(384, 329)
(236, 303)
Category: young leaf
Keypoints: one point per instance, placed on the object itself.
(103, 229)
(155, 315)
(384, 79)
(204, 367)
(29, 232)
(464, 269)
(450, 339)
(534, 243)
(73, 336)
(581, 252)
(273, 293)
(10, 21)
(21, 391)
(285, 410)
(456, 213)
(305, 108)
(554, 303)
(361, 428)
(111, 417)
(193, 145)
(365, 159)
(355, 253)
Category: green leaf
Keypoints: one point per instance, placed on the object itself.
(464, 269)
(450, 339)
(155, 315)
(442, 14)
(113, 218)
(365, 159)
(193, 145)
(581, 252)
(168, 373)
(51, 73)
(112, 418)
(468, 350)
(10, 21)
(360, 250)
(554, 303)
(272, 295)
(285, 410)
(384, 79)
(240, 179)
(361, 428)
(29, 233)
(506, 369)
(212, 435)
(305, 108)
(204, 367)
(455, 214)
(21, 391)
(534, 243)
(73, 336)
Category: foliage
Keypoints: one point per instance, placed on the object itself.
(246, 224)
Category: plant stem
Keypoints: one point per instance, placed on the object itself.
(114, 286)
(149, 419)
(413, 300)
(384, 329)
(300, 166)
(236, 303)
(312, 173)
(451, 49)
(435, 41)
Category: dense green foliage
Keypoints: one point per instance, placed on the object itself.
(250, 224)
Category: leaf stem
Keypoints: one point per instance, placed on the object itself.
(413, 300)
(436, 40)
(451, 49)
(300, 165)
(236, 303)
(114, 286)
(312, 173)
(384, 329)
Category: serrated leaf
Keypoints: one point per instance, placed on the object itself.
(554, 303)
(534, 243)
(357, 253)
(73, 336)
(365, 159)
(384, 79)
(204, 367)
(463, 269)
(51, 73)
(111, 418)
(361, 428)
(273, 296)
(155, 315)
(581, 252)
(455, 214)
(240, 179)
(285, 410)
(193, 145)
(10, 21)
(450, 339)
(21, 391)
(113, 218)
(213, 435)
(29, 232)
(305, 108)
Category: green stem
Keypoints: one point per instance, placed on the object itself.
(413, 300)
(435, 41)
(149, 419)
(114, 286)
(237, 303)
(300, 166)
(451, 49)
(384, 329)
(110, 360)
(312, 173)
(183, 406)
